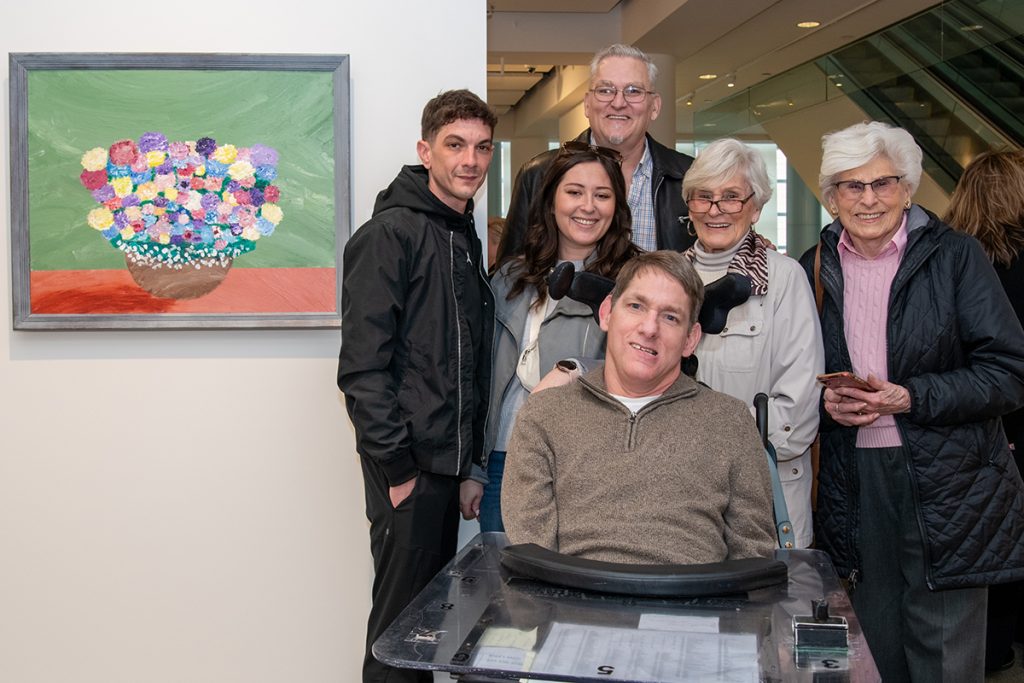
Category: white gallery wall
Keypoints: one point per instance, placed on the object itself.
(188, 506)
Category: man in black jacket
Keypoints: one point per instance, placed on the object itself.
(417, 319)
(620, 106)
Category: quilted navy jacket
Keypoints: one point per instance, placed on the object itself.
(956, 345)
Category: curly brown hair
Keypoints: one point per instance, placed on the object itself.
(540, 244)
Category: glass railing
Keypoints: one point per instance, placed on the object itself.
(952, 76)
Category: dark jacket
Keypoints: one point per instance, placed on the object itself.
(416, 386)
(1012, 277)
(668, 169)
(955, 344)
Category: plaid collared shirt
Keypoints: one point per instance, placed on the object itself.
(641, 204)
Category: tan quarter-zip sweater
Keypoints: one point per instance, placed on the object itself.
(684, 480)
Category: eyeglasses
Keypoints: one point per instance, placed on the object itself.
(725, 205)
(883, 187)
(578, 146)
(631, 93)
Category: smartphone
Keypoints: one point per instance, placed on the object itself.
(834, 380)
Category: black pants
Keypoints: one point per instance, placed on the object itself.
(409, 544)
(916, 635)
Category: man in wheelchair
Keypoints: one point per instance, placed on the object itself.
(635, 461)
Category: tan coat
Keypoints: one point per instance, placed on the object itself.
(685, 480)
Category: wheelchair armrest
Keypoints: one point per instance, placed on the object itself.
(531, 561)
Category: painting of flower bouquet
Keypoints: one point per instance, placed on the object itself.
(181, 211)
(178, 191)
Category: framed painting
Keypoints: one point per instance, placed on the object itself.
(178, 190)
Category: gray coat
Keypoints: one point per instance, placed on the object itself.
(569, 331)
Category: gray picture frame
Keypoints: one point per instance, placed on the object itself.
(22, 65)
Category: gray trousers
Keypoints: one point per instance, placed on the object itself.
(915, 634)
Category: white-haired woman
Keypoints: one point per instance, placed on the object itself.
(919, 502)
(771, 343)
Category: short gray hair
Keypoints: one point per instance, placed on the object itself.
(671, 263)
(717, 163)
(861, 143)
(621, 50)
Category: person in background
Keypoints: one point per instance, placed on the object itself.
(919, 503)
(988, 203)
(495, 231)
(416, 323)
(581, 216)
(620, 105)
(772, 342)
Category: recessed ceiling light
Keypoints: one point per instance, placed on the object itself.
(708, 77)
(809, 24)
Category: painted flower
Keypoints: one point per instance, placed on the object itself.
(146, 191)
(123, 152)
(95, 159)
(94, 180)
(272, 193)
(165, 181)
(178, 150)
(122, 186)
(100, 218)
(241, 169)
(225, 154)
(205, 146)
(216, 168)
(260, 155)
(265, 227)
(153, 142)
(155, 158)
(104, 193)
(266, 174)
(272, 212)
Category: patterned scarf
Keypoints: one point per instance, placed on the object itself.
(751, 260)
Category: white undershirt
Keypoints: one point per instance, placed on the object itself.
(635, 405)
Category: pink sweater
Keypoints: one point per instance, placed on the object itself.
(865, 313)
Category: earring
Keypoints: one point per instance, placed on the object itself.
(689, 228)
(907, 205)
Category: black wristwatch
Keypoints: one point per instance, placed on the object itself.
(568, 366)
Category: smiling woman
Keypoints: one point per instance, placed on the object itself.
(771, 343)
(917, 309)
(580, 215)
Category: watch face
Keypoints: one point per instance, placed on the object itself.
(566, 365)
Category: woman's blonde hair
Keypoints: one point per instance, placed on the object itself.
(988, 203)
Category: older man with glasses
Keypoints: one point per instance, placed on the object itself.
(619, 105)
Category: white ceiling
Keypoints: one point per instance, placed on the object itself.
(752, 39)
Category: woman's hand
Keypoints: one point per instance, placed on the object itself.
(557, 377)
(858, 407)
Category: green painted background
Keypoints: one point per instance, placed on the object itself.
(71, 111)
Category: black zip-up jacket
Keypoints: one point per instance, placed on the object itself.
(668, 169)
(416, 387)
(954, 343)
